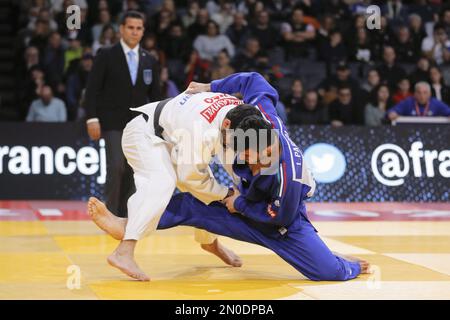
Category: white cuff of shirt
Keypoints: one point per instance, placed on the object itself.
(92, 120)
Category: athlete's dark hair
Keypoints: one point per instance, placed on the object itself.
(236, 115)
(253, 132)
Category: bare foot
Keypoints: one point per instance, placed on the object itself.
(227, 256)
(105, 220)
(365, 267)
(128, 266)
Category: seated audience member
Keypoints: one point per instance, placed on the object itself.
(310, 111)
(373, 80)
(422, 71)
(344, 110)
(389, 70)
(104, 19)
(263, 30)
(328, 88)
(53, 60)
(168, 87)
(294, 98)
(107, 38)
(222, 68)
(252, 58)
(404, 46)
(333, 50)
(420, 105)
(439, 90)
(403, 91)
(208, 46)
(76, 83)
(297, 35)
(238, 32)
(375, 110)
(47, 108)
(437, 46)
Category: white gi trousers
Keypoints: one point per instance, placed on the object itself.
(154, 177)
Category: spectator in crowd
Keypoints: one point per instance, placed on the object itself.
(31, 58)
(439, 90)
(293, 100)
(44, 15)
(163, 20)
(222, 67)
(375, 110)
(372, 81)
(334, 50)
(297, 35)
(344, 110)
(199, 27)
(238, 31)
(420, 105)
(263, 30)
(208, 46)
(328, 88)
(40, 36)
(150, 44)
(437, 46)
(417, 31)
(168, 87)
(53, 61)
(309, 111)
(380, 37)
(76, 84)
(445, 19)
(279, 10)
(422, 71)
(252, 58)
(389, 70)
(396, 11)
(224, 17)
(177, 46)
(327, 25)
(191, 14)
(404, 46)
(403, 90)
(361, 49)
(31, 88)
(47, 108)
(73, 52)
(104, 19)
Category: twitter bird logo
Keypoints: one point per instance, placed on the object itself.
(326, 162)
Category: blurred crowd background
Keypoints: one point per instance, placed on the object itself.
(319, 54)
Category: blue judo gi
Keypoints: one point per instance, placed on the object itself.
(271, 207)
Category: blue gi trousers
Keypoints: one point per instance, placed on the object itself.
(300, 246)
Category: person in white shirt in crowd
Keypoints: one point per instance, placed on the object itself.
(208, 46)
(437, 47)
(47, 108)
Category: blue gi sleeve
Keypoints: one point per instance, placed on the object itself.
(253, 87)
(281, 210)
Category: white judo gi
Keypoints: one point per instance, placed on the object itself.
(192, 137)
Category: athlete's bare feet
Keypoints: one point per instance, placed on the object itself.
(364, 264)
(227, 256)
(105, 220)
(365, 267)
(127, 265)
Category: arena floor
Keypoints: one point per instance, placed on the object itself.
(45, 245)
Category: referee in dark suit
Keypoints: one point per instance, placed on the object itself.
(123, 76)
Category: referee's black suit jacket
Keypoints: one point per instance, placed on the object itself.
(110, 92)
